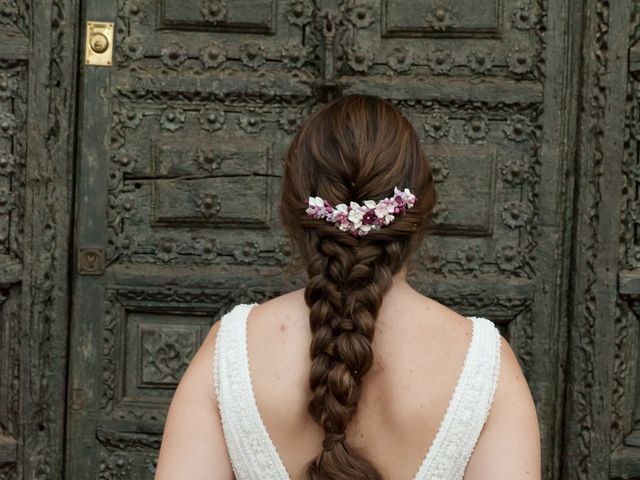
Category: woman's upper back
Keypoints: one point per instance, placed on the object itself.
(420, 348)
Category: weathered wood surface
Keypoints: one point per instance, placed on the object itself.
(528, 111)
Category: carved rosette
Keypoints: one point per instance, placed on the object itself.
(441, 19)
(400, 59)
(480, 61)
(172, 119)
(361, 15)
(213, 55)
(360, 57)
(252, 54)
(173, 55)
(214, 11)
(440, 61)
(437, 125)
(476, 128)
(212, 119)
(300, 12)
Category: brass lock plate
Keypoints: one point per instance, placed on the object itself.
(99, 44)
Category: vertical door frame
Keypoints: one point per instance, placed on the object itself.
(593, 395)
(48, 196)
(90, 231)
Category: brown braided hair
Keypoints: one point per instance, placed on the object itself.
(356, 148)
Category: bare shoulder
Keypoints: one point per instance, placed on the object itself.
(193, 444)
(284, 312)
(509, 444)
(287, 303)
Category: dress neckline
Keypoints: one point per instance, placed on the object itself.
(441, 433)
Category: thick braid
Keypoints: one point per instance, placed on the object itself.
(356, 148)
(345, 290)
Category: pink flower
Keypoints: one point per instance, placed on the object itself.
(361, 219)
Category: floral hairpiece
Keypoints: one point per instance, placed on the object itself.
(361, 219)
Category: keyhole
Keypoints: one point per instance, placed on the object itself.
(99, 43)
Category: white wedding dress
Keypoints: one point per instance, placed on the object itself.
(253, 455)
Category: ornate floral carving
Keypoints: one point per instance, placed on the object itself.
(109, 352)
(300, 12)
(132, 47)
(470, 259)
(173, 55)
(208, 204)
(516, 214)
(518, 128)
(166, 353)
(521, 60)
(360, 57)
(515, 171)
(212, 55)
(8, 164)
(127, 245)
(212, 119)
(251, 122)
(125, 205)
(283, 252)
(437, 125)
(509, 258)
(438, 169)
(124, 161)
(247, 253)
(6, 200)
(290, 121)
(252, 54)
(166, 249)
(172, 119)
(440, 19)
(440, 213)
(8, 85)
(214, 11)
(440, 61)
(207, 248)
(116, 181)
(8, 124)
(129, 117)
(114, 465)
(294, 54)
(476, 128)
(361, 15)
(208, 160)
(480, 62)
(523, 18)
(8, 12)
(133, 10)
(400, 59)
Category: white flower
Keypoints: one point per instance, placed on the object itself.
(350, 218)
(355, 215)
(364, 229)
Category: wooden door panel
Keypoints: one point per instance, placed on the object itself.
(16, 140)
(433, 17)
(181, 153)
(484, 86)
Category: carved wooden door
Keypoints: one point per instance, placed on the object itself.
(179, 162)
